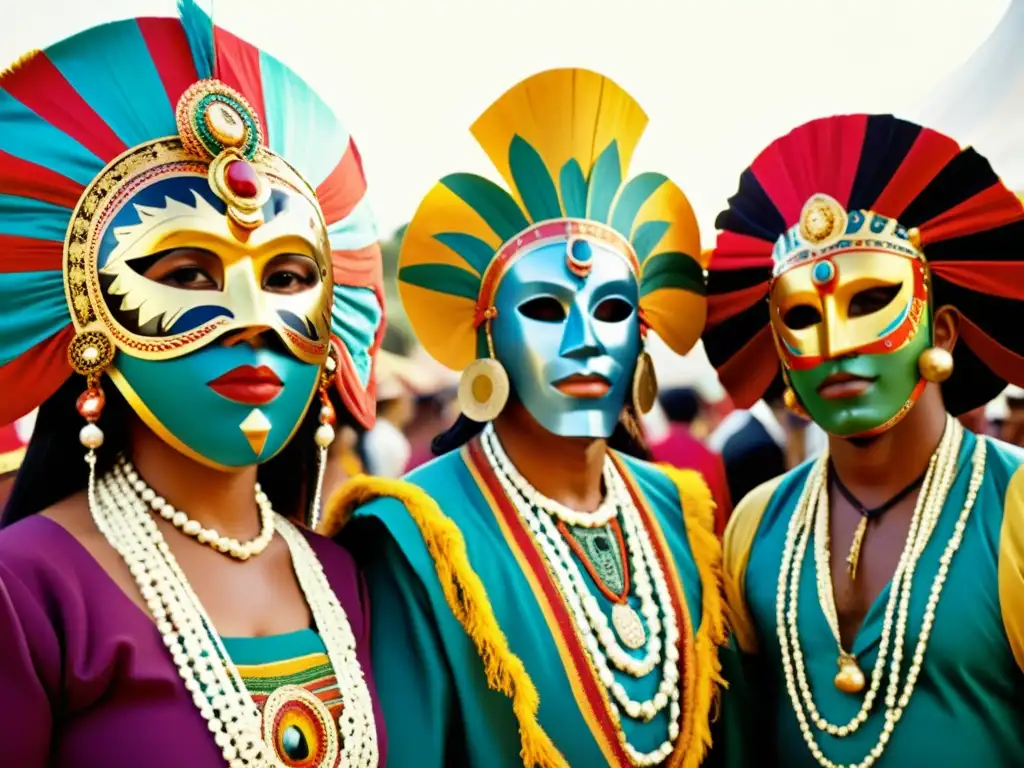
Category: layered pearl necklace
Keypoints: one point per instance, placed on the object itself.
(812, 517)
(209, 536)
(217, 688)
(541, 515)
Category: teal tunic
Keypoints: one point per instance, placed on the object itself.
(967, 705)
(431, 679)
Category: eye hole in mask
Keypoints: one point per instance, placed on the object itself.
(873, 300)
(613, 310)
(196, 269)
(801, 316)
(290, 273)
(544, 309)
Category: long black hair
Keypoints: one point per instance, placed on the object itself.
(54, 466)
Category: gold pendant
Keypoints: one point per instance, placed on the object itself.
(858, 540)
(628, 626)
(850, 678)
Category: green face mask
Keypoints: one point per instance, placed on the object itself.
(896, 378)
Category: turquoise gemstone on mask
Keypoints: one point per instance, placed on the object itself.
(581, 251)
(823, 272)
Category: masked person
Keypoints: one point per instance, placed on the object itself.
(877, 592)
(540, 598)
(182, 219)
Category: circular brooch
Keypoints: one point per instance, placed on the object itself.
(216, 123)
(821, 219)
(299, 728)
(90, 352)
(212, 117)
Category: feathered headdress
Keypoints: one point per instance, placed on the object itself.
(67, 113)
(562, 140)
(970, 230)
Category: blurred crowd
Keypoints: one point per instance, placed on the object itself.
(691, 427)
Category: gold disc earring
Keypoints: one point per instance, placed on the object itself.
(483, 385)
(645, 384)
(483, 390)
(935, 365)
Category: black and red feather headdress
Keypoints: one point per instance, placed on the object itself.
(971, 231)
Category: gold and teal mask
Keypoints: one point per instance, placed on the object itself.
(850, 316)
(204, 261)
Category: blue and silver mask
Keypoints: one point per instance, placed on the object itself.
(568, 332)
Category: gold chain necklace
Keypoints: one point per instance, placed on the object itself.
(805, 518)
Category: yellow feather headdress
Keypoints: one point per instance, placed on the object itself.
(562, 140)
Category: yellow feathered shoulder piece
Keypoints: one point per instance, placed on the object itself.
(562, 140)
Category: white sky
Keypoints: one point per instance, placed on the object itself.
(718, 78)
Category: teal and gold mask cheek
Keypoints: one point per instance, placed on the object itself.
(850, 328)
(226, 406)
(567, 331)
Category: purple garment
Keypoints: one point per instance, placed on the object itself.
(85, 679)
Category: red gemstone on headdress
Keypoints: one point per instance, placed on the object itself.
(90, 404)
(242, 179)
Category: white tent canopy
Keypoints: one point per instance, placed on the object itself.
(982, 103)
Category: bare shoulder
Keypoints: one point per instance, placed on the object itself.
(72, 514)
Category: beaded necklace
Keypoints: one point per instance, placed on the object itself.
(244, 736)
(542, 516)
(811, 517)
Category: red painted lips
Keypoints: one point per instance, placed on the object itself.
(585, 386)
(248, 385)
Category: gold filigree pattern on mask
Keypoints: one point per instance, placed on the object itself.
(219, 141)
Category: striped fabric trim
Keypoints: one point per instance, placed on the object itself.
(312, 672)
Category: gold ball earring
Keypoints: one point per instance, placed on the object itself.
(792, 403)
(935, 365)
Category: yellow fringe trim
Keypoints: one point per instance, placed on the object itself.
(20, 61)
(699, 517)
(467, 598)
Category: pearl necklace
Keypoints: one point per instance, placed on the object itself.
(209, 536)
(600, 517)
(934, 492)
(209, 675)
(589, 618)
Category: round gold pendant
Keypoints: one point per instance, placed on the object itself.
(628, 626)
(299, 730)
(849, 678)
